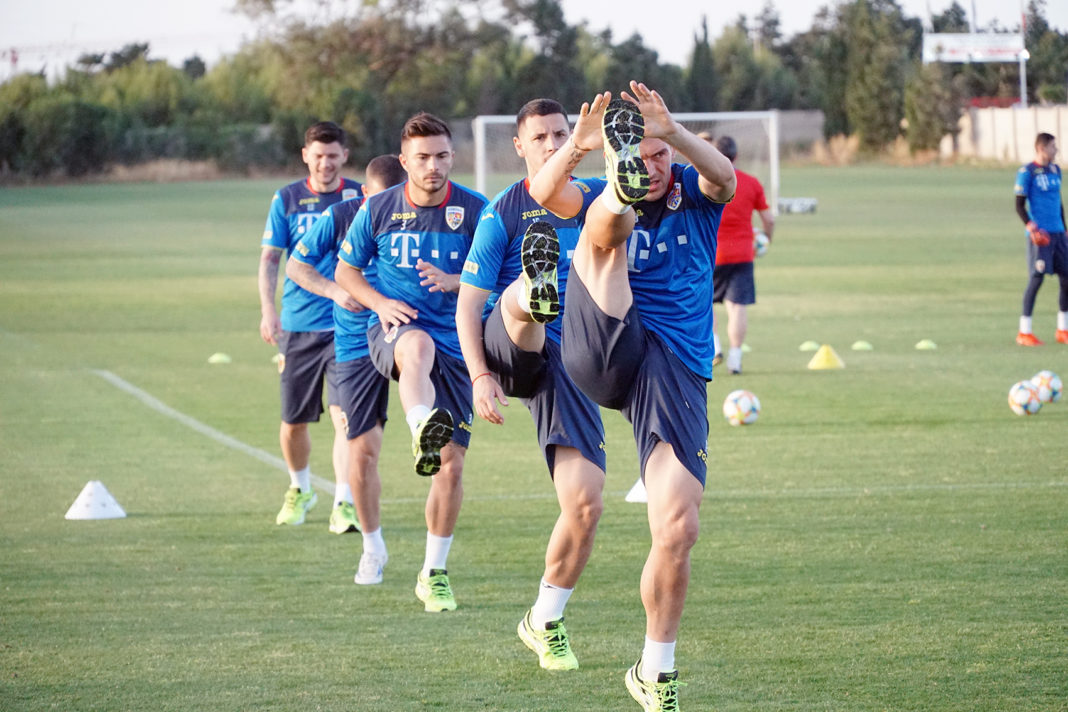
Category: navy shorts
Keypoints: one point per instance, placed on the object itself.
(364, 395)
(307, 359)
(563, 415)
(734, 282)
(1053, 257)
(452, 387)
(621, 365)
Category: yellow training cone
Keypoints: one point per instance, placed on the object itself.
(825, 359)
(809, 346)
(926, 345)
(862, 346)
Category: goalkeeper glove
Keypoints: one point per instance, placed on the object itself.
(1038, 236)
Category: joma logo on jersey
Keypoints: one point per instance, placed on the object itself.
(309, 201)
(454, 216)
(534, 213)
(703, 455)
(402, 216)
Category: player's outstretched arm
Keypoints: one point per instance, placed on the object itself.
(551, 187)
(309, 278)
(716, 173)
(391, 312)
(270, 324)
(486, 388)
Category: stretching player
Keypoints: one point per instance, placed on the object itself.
(637, 327)
(418, 235)
(1038, 203)
(519, 264)
(305, 332)
(362, 390)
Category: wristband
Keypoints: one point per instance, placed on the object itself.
(487, 373)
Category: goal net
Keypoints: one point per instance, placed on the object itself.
(756, 132)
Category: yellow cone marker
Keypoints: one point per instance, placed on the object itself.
(926, 345)
(862, 346)
(809, 346)
(219, 358)
(825, 359)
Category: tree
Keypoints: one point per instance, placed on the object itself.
(702, 82)
(875, 63)
(932, 108)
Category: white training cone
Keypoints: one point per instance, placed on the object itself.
(95, 502)
(637, 492)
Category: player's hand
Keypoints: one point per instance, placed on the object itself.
(587, 133)
(344, 300)
(436, 279)
(1038, 236)
(270, 328)
(658, 120)
(393, 312)
(487, 392)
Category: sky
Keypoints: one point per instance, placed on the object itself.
(52, 34)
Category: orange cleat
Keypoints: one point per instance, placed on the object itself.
(1062, 336)
(1028, 340)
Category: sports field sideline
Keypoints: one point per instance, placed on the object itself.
(886, 537)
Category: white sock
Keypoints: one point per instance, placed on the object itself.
(611, 202)
(523, 298)
(1062, 321)
(373, 543)
(715, 344)
(734, 359)
(657, 658)
(1025, 325)
(342, 493)
(301, 479)
(550, 604)
(416, 416)
(437, 552)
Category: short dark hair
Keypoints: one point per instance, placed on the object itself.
(539, 107)
(1044, 139)
(324, 132)
(727, 147)
(424, 124)
(387, 170)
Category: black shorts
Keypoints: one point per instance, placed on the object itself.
(452, 387)
(307, 359)
(364, 395)
(621, 365)
(734, 282)
(1051, 258)
(563, 415)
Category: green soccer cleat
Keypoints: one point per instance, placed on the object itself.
(295, 506)
(539, 255)
(623, 129)
(343, 519)
(434, 591)
(659, 696)
(431, 435)
(551, 644)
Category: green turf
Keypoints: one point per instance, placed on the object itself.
(885, 537)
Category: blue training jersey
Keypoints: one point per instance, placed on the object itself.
(1041, 185)
(294, 209)
(396, 234)
(670, 257)
(319, 248)
(494, 260)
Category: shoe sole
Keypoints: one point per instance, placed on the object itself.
(539, 255)
(432, 436)
(300, 520)
(634, 688)
(349, 528)
(623, 129)
(527, 636)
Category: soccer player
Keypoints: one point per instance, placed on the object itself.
(305, 332)
(418, 235)
(637, 327)
(733, 276)
(1039, 205)
(363, 392)
(518, 264)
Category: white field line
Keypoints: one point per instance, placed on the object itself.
(801, 492)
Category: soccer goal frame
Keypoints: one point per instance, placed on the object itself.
(496, 164)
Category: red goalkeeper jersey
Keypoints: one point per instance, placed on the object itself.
(735, 240)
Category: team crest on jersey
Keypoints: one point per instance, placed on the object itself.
(675, 199)
(349, 194)
(454, 216)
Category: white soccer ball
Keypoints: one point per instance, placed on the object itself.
(1049, 386)
(1023, 398)
(760, 244)
(741, 407)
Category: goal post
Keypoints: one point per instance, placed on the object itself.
(497, 166)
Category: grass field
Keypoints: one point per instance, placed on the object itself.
(886, 537)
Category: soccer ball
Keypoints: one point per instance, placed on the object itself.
(1049, 386)
(741, 407)
(1023, 398)
(760, 244)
